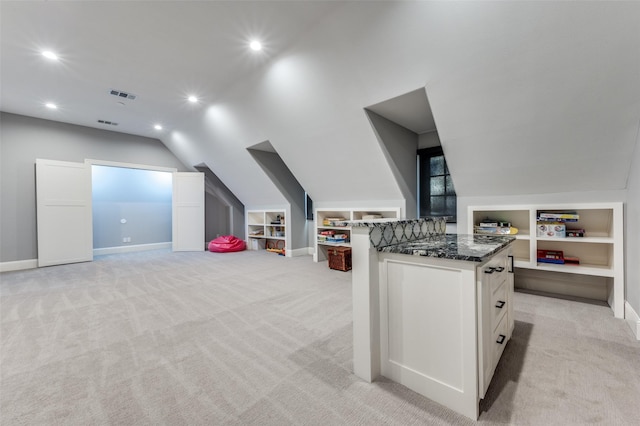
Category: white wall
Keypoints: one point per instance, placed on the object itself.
(632, 234)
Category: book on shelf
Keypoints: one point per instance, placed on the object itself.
(567, 215)
(491, 223)
(550, 256)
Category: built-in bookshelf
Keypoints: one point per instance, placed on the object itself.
(327, 220)
(266, 229)
(600, 249)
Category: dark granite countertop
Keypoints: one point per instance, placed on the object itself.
(474, 248)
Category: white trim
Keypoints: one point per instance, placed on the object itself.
(129, 165)
(131, 249)
(18, 265)
(304, 251)
(633, 319)
(311, 251)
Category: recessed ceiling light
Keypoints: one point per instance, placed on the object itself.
(50, 55)
(255, 45)
(192, 99)
(157, 127)
(51, 105)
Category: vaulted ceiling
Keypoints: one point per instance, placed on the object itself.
(527, 97)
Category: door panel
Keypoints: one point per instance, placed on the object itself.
(64, 221)
(188, 212)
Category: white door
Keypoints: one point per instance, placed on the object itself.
(64, 220)
(188, 212)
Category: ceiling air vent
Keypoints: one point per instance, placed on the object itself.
(110, 123)
(121, 94)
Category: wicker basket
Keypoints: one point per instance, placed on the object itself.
(340, 258)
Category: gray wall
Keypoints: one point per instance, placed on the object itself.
(216, 218)
(632, 233)
(291, 189)
(224, 213)
(23, 139)
(428, 140)
(399, 146)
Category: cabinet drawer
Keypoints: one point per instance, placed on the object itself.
(499, 341)
(499, 302)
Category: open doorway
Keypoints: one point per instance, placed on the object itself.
(65, 220)
(132, 209)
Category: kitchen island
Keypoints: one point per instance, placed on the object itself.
(432, 311)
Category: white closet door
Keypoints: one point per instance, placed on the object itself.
(188, 212)
(65, 230)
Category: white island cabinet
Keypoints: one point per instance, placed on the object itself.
(433, 312)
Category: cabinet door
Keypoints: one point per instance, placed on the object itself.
(64, 218)
(188, 212)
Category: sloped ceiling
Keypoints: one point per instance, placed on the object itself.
(410, 110)
(528, 97)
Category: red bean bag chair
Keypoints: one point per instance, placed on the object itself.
(226, 244)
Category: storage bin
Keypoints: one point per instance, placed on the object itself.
(340, 258)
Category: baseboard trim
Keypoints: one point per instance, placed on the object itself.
(298, 252)
(633, 319)
(18, 265)
(131, 249)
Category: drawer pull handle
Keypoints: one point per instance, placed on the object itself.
(501, 339)
(499, 269)
(500, 304)
(489, 271)
(512, 266)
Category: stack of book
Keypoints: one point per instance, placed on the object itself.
(550, 256)
(334, 221)
(493, 227)
(553, 224)
(556, 256)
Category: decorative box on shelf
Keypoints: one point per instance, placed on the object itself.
(551, 229)
(340, 258)
(575, 232)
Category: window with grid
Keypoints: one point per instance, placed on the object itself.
(435, 186)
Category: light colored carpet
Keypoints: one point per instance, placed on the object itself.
(254, 338)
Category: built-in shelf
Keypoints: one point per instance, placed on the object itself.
(600, 251)
(321, 247)
(266, 229)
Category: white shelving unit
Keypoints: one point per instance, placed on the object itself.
(320, 248)
(262, 232)
(601, 250)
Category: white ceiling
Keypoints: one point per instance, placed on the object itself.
(528, 97)
(160, 51)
